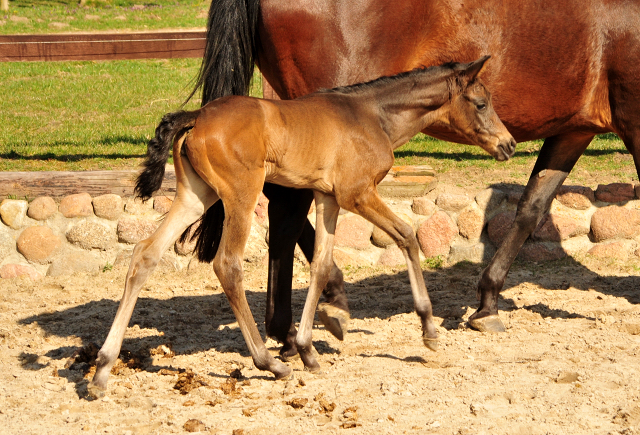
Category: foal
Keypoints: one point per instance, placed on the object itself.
(339, 143)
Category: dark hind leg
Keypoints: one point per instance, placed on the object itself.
(557, 157)
(288, 209)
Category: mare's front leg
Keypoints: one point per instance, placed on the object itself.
(327, 211)
(228, 267)
(370, 206)
(192, 199)
(557, 157)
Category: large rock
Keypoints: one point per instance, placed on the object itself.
(108, 206)
(9, 271)
(132, 229)
(498, 227)
(555, 228)
(162, 204)
(436, 234)
(42, 208)
(392, 256)
(615, 192)
(614, 222)
(473, 252)
(381, 239)
(354, 232)
(77, 205)
(423, 206)
(490, 199)
(139, 207)
(618, 250)
(576, 197)
(89, 235)
(471, 222)
(7, 243)
(452, 202)
(38, 244)
(538, 252)
(74, 262)
(13, 212)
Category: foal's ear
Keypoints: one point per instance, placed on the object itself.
(473, 69)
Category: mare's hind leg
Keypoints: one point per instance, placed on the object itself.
(327, 210)
(371, 207)
(557, 157)
(193, 197)
(228, 267)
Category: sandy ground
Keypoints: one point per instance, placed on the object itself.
(568, 363)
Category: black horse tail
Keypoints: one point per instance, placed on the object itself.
(227, 69)
(230, 50)
(172, 125)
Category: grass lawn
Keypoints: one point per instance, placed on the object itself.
(100, 115)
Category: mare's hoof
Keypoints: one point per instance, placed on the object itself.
(431, 343)
(95, 391)
(487, 324)
(335, 320)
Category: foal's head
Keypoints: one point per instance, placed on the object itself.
(471, 113)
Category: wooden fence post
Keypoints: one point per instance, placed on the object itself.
(4, 5)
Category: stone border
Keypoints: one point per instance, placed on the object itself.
(81, 233)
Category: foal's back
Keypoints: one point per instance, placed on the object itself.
(319, 142)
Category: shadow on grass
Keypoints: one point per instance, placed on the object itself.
(105, 141)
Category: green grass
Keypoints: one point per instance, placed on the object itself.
(51, 16)
(100, 115)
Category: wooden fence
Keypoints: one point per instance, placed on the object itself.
(102, 46)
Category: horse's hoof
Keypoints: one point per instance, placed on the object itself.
(289, 355)
(431, 343)
(282, 371)
(335, 320)
(487, 324)
(95, 391)
(313, 370)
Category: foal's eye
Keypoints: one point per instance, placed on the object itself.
(481, 107)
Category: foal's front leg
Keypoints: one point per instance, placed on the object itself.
(327, 211)
(370, 206)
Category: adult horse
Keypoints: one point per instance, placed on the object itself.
(563, 71)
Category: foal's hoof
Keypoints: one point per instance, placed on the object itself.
(487, 324)
(288, 355)
(281, 371)
(335, 320)
(431, 343)
(96, 391)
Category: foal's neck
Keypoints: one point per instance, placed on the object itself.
(411, 105)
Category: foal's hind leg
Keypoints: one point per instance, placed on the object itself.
(193, 197)
(228, 267)
(557, 157)
(370, 206)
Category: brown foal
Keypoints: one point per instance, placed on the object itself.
(339, 143)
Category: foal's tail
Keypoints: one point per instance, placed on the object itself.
(172, 125)
(227, 69)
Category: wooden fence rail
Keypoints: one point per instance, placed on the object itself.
(102, 46)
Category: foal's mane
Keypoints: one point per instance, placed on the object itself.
(420, 72)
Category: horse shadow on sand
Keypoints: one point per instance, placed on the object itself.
(190, 324)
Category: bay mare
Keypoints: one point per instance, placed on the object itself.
(563, 71)
(338, 143)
